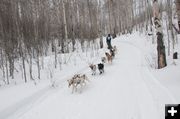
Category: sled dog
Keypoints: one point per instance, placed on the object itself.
(101, 68)
(109, 57)
(93, 69)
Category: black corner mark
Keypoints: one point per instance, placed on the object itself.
(172, 111)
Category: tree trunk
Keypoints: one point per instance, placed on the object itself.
(30, 67)
(160, 43)
(38, 66)
(100, 24)
(11, 67)
(2, 63)
(90, 18)
(101, 41)
(170, 27)
(168, 38)
(7, 73)
(24, 68)
(178, 11)
(23, 60)
(55, 58)
(64, 20)
(109, 13)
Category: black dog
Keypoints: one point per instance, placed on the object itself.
(101, 68)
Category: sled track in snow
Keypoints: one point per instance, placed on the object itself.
(147, 70)
(25, 104)
(152, 85)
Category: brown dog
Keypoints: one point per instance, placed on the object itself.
(109, 57)
(93, 69)
(112, 53)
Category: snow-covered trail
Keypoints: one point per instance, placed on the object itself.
(126, 90)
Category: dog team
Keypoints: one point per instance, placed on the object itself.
(81, 79)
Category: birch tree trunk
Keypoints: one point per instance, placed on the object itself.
(65, 23)
(168, 37)
(169, 7)
(23, 59)
(7, 73)
(30, 67)
(2, 63)
(160, 43)
(178, 11)
(72, 26)
(38, 66)
(55, 58)
(109, 13)
(99, 22)
(90, 17)
(24, 68)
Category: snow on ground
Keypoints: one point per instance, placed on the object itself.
(168, 76)
(129, 88)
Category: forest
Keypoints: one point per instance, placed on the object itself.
(29, 28)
